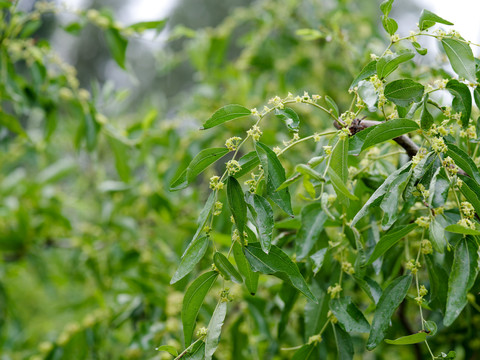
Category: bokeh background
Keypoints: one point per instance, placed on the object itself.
(90, 235)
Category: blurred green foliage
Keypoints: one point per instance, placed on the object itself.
(90, 236)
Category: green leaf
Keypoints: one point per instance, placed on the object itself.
(369, 70)
(428, 19)
(386, 7)
(12, 124)
(277, 263)
(390, 239)
(344, 343)
(332, 105)
(459, 229)
(226, 113)
(388, 63)
(204, 159)
(289, 117)
(391, 298)
(117, 45)
(237, 204)
(387, 131)
(389, 25)
(202, 219)
(317, 259)
(476, 97)
(349, 315)
(168, 348)
(339, 186)
(120, 151)
(368, 94)
(419, 49)
(251, 278)
(226, 268)
(463, 161)
(248, 162)
(262, 214)
(431, 327)
(377, 196)
(148, 25)
(370, 287)
(391, 200)
(193, 300)
(471, 190)
(426, 119)
(197, 352)
(306, 352)
(462, 100)
(195, 252)
(436, 233)
(313, 219)
(461, 58)
(403, 92)
(214, 329)
(462, 275)
(338, 170)
(409, 339)
(275, 176)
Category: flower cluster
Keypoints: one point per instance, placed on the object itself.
(413, 266)
(232, 143)
(215, 183)
(426, 246)
(438, 145)
(233, 167)
(254, 132)
(467, 209)
(347, 267)
(450, 166)
(423, 221)
(334, 290)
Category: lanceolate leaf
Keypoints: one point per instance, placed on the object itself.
(471, 190)
(192, 256)
(389, 63)
(279, 264)
(313, 219)
(262, 214)
(462, 100)
(409, 339)
(391, 200)
(226, 113)
(226, 268)
(215, 329)
(338, 170)
(388, 130)
(378, 194)
(349, 315)
(237, 204)
(117, 45)
(463, 161)
(428, 19)
(274, 176)
(389, 25)
(461, 58)
(332, 105)
(390, 239)
(391, 298)
(199, 163)
(248, 162)
(344, 343)
(437, 234)
(403, 92)
(459, 229)
(289, 117)
(369, 70)
(202, 219)
(370, 287)
(462, 276)
(193, 300)
(426, 119)
(11, 123)
(251, 278)
(306, 352)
